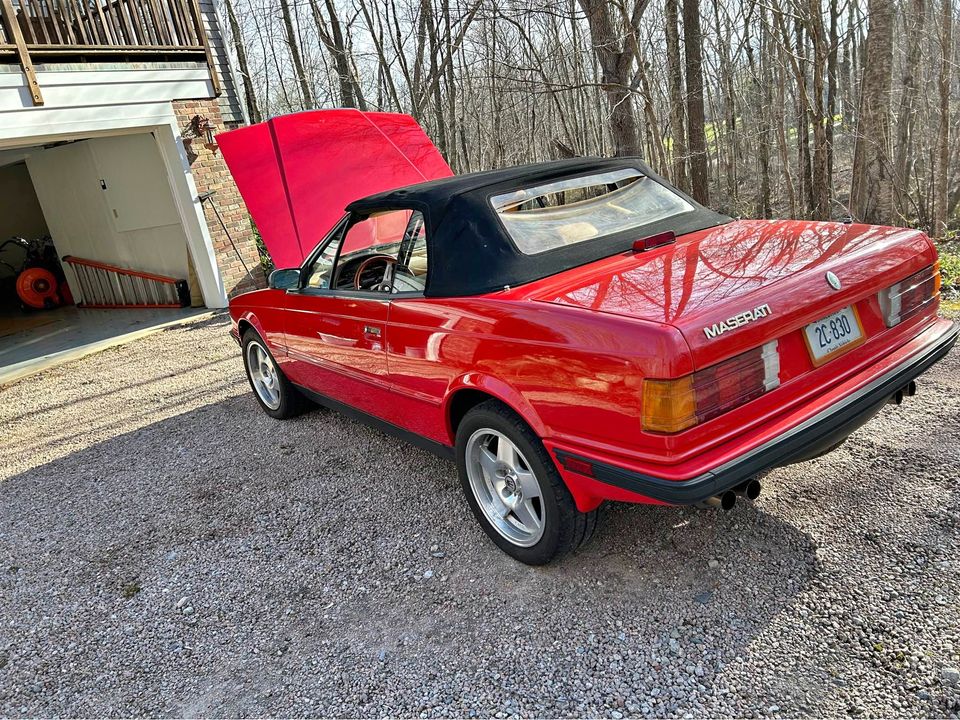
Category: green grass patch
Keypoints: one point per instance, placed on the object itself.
(950, 264)
(950, 275)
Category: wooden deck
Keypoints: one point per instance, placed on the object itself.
(92, 30)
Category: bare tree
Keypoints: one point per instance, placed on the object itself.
(330, 31)
(871, 193)
(306, 97)
(678, 142)
(611, 31)
(236, 36)
(913, 25)
(771, 108)
(942, 164)
(696, 130)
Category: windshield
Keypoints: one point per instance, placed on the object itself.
(572, 211)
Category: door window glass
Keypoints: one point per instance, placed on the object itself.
(321, 269)
(381, 231)
(384, 253)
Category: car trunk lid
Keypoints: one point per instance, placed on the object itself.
(735, 287)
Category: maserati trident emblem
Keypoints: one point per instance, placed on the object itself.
(833, 281)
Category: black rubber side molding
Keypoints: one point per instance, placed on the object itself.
(813, 437)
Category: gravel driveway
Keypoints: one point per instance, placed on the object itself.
(167, 549)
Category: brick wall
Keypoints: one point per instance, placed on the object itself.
(241, 270)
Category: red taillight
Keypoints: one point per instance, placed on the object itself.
(736, 381)
(909, 297)
(674, 405)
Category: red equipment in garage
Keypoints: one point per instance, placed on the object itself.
(40, 282)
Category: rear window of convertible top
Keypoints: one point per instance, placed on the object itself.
(575, 210)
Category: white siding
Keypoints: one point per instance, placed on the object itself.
(93, 98)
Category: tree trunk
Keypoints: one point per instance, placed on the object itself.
(728, 152)
(678, 150)
(615, 57)
(763, 99)
(306, 96)
(426, 7)
(657, 156)
(942, 175)
(249, 97)
(906, 117)
(696, 134)
(871, 192)
(782, 138)
(451, 87)
(331, 35)
(804, 172)
(821, 171)
(832, 86)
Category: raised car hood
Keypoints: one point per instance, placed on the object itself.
(711, 276)
(298, 172)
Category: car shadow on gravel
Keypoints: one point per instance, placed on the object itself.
(222, 563)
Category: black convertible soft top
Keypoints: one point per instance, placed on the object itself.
(469, 250)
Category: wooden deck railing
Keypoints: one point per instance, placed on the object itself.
(89, 29)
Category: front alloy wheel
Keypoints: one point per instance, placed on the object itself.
(263, 375)
(277, 396)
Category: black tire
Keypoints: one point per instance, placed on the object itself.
(291, 401)
(564, 527)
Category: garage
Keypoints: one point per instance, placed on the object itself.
(106, 205)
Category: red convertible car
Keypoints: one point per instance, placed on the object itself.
(581, 331)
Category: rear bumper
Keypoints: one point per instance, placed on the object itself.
(812, 437)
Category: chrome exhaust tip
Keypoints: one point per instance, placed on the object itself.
(750, 489)
(724, 501)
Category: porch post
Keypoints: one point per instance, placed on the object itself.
(191, 213)
(26, 64)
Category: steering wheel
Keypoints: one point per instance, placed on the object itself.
(368, 265)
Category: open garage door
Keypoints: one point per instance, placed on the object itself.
(107, 200)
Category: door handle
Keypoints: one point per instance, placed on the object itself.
(371, 330)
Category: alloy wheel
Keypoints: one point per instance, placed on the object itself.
(505, 487)
(263, 375)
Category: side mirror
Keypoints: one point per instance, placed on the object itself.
(286, 279)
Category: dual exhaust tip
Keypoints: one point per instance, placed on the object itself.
(726, 500)
(909, 390)
(751, 488)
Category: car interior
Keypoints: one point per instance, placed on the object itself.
(383, 253)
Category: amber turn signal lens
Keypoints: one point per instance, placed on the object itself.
(669, 406)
